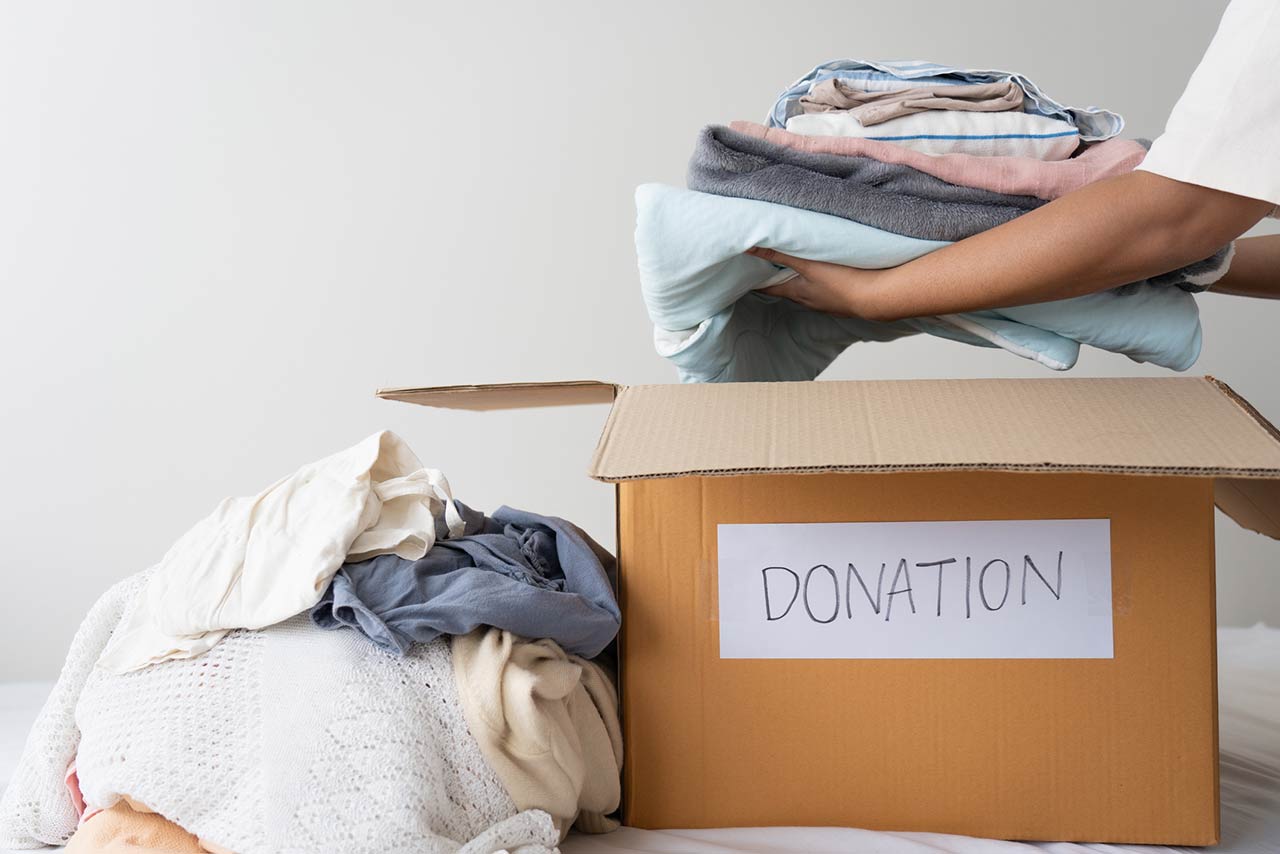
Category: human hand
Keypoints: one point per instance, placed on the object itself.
(823, 286)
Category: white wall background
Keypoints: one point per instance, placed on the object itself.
(222, 225)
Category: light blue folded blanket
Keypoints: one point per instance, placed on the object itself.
(709, 319)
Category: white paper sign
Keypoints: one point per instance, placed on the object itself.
(1008, 589)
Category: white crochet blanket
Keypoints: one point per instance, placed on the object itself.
(288, 739)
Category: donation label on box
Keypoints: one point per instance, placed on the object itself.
(981, 589)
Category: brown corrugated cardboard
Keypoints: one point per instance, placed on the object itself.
(504, 395)
(1119, 750)
(1103, 749)
(1176, 425)
(1193, 426)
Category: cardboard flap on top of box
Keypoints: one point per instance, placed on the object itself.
(489, 396)
(1181, 426)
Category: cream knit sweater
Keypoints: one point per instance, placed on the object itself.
(282, 740)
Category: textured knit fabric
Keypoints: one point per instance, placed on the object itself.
(887, 196)
(73, 789)
(1015, 176)
(288, 740)
(128, 828)
(538, 576)
(698, 287)
(873, 108)
(1222, 133)
(37, 807)
(256, 561)
(982, 134)
(547, 722)
(883, 75)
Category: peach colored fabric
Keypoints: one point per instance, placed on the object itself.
(130, 828)
(873, 108)
(1018, 176)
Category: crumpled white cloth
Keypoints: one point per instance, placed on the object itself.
(256, 561)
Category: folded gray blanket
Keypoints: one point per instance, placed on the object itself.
(887, 196)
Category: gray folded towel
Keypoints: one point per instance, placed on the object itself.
(886, 196)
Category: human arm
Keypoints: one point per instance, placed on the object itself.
(1106, 234)
(1255, 269)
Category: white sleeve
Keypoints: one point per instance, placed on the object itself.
(1224, 132)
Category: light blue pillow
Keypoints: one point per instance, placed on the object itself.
(700, 290)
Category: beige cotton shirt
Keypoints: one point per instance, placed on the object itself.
(547, 724)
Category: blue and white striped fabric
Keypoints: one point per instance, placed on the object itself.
(1094, 123)
(1005, 134)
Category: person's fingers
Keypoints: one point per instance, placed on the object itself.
(791, 289)
(776, 257)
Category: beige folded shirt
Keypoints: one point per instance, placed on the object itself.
(873, 108)
(547, 724)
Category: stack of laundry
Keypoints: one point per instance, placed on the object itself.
(873, 164)
(350, 661)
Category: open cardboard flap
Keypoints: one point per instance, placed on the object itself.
(1171, 426)
(486, 397)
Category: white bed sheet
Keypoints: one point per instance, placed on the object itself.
(1249, 711)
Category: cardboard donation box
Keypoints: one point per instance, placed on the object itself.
(975, 606)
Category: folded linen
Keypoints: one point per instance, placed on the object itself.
(984, 134)
(1095, 124)
(538, 576)
(258, 560)
(873, 108)
(1015, 176)
(546, 722)
(699, 290)
(887, 196)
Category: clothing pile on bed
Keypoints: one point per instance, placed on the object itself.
(350, 661)
(873, 164)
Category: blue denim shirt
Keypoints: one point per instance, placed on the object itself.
(1094, 123)
(537, 576)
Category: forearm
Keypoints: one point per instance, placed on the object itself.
(1107, 234)
(1255, 271)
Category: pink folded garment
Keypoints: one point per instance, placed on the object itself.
(73, 789)
(1016, 176)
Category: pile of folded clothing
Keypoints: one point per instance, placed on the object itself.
(350, 661)
(873, 164)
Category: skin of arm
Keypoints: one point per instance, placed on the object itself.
(1255, 271)
(1110, 233)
